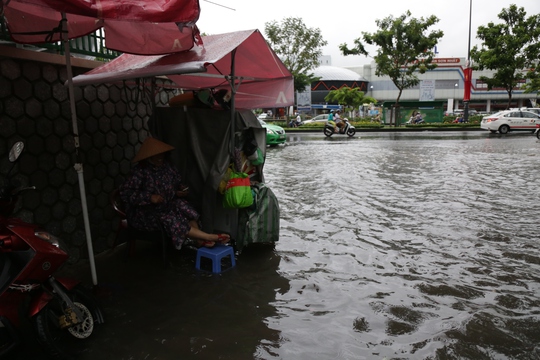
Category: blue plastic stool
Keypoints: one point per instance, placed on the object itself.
(215, 253)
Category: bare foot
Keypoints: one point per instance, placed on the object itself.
(208, 244)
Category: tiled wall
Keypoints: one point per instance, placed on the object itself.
(35, 108)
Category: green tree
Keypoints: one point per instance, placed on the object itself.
(404, 48)
(351, 98)
(298, 46)
(533, 77)
(511, 48)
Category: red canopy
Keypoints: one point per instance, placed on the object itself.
(261, 77)
(131, 26)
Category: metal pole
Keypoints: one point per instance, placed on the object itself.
(233, 96)
(78, 165)
(468, 72)
(455, 98)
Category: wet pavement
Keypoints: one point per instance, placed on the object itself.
(392, 246)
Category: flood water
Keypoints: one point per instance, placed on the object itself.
(392, 246)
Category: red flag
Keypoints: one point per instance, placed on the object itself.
(468, 80)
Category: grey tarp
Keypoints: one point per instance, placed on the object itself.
(201, 138)
(259, 223)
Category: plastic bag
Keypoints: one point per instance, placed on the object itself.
(223, 183)
(238, 191)
(257, 157)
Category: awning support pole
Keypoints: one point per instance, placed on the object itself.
(233, 106)
(78, 165)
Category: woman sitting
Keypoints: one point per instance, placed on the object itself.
(155, 198)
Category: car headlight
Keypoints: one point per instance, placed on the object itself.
(268, 131)
(51, 239)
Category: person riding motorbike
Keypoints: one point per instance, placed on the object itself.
(298, 120)
(331, 116)
(339, 122)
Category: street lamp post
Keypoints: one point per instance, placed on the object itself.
(468, 73)
(370, 94)
(455, 97)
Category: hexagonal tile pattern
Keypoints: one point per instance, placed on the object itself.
(112, 122)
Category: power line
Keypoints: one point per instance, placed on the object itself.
(211, 2)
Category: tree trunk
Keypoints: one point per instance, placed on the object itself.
(395, 113)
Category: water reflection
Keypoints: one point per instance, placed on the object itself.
(408, 246)
(396, 246)
(187, 314)
(180, 313)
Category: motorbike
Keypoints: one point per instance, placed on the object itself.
(347, 129)
(537, 131)
(294, 123)
(415, 121)
(59, 312)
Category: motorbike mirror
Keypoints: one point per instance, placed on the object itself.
(16, 151)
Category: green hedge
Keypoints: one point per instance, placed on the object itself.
(444, 125)
(366, 123)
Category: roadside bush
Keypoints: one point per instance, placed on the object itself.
(444, 125)
(476, 119)
(366, 124)
(313, 125)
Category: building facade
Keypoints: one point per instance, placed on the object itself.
(448, 83)
(330, 78)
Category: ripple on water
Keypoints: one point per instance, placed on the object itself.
(400, 245)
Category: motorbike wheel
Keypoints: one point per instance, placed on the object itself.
(64, 343)
(328, 131)
(351, 132)
(538, 135)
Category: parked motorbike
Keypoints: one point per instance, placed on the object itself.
(59, 311)
(537, 131)
(347, 129)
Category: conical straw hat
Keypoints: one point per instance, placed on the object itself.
(151, 147)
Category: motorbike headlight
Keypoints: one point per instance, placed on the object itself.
(51, 239)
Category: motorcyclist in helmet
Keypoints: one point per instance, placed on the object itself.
(331, 118)
(337, 119)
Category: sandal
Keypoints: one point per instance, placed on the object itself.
(195, 244)
(223, 238)
(204, 243)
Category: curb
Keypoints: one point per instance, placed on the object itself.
(296, 130)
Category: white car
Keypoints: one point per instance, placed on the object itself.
(319, 119)
(534, 110)
(510, 120)
(458, 112)
(262, 116)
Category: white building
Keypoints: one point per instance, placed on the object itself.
(448, 86)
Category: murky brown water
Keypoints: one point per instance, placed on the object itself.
(409, 246)
(393, 246)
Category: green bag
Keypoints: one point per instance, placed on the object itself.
(238, 191)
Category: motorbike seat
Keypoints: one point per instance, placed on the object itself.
(130, 234)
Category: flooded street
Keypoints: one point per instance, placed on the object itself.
(408, 246)
(392, 246)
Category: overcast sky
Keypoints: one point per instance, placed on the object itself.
(342, 21)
